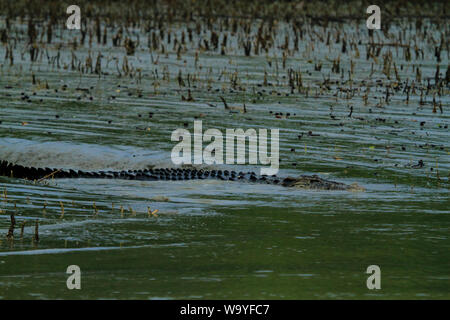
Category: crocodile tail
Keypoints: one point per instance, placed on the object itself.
(9, 169)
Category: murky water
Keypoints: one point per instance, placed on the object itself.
(214, 239)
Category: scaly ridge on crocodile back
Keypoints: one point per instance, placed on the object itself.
(313, 182)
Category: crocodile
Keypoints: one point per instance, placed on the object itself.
(311, 182)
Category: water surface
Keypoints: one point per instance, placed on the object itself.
(214, 239)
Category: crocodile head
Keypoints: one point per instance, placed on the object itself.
(314, 182)
(356, 187)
